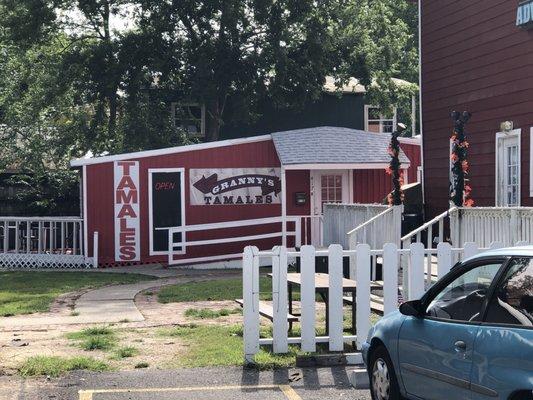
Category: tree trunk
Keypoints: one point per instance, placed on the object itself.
(213, 118)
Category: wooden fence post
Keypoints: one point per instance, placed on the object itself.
(444, 259)
(250, 286)
(416, 271)
(308, 317)
(390, 278)
(336, 314)
(279, 300)
(363, 293)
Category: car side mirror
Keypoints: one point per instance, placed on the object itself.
(412, 308)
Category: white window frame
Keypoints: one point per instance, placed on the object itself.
(501, 135)
(394, 119)
(150, 209)
(173, 106)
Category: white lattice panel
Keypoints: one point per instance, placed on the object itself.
(29, 261)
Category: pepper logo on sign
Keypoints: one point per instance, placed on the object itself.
(126, 211)
(524, 15)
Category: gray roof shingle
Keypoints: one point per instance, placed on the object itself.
(331, 145)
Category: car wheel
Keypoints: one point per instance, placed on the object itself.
(383, 382)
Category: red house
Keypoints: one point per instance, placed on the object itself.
(477, 56)
(210, 200)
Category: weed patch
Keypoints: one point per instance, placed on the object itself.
(56, 366)
(206, 313)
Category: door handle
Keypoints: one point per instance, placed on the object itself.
(460, 345)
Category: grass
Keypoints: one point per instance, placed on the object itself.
(96, 338)
(125, 352)
(221, 289)
(206, 313)
(26, 292)
(221, 346)
(142, 365)
(56, 366)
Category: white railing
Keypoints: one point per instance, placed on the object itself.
(484, 225)
(362, 256)
(43, 242)
(428, 229)
(481, 225)
(178, 241)
(339, 219)
(385, 227)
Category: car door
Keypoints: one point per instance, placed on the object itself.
(435, 351)
(503, 349)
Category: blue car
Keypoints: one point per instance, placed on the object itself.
(469, 337)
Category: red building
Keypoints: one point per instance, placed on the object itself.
(477, 56)
(210, 200)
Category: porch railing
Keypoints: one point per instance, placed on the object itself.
(43, 242)
(385, 227)
(480, 225)
(339, 219)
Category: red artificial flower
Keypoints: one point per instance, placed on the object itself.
(454, 157)
(464, 165)
(469, 203)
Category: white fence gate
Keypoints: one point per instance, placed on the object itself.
(362, 258)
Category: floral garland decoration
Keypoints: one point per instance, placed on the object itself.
(395, 198)
(460, 190)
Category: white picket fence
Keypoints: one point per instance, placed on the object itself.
(362, 258)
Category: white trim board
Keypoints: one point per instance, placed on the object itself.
(170, 150)
(85, 216)
(340, 166)
(150, 205)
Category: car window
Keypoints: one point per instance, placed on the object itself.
(512, 302)
(462, 299)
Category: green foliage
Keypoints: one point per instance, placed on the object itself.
(56, 366)
(29, 291)
(74, 82)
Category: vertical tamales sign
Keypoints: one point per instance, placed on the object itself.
(127, 227)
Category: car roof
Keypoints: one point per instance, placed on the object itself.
(518, 251)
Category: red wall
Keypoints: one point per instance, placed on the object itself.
(257, 154)
(370, 186)
(473, 58)
(373, 185)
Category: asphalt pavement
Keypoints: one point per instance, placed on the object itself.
(224, 383)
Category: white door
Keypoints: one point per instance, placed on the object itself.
(508, 170)
(328, 186)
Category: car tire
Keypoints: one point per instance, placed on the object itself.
(382, 377)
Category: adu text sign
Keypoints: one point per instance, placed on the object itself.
(524, 15)
(126, 193)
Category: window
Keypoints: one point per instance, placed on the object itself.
(376, 121)
(331, 186)
(513, 300)
(508, 168)
(462, 299)
(190, 118)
